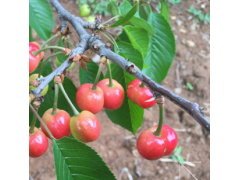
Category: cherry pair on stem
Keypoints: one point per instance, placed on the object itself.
(84, 126)
(107, 93)
(57, 122)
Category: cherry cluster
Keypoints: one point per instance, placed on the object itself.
(91, 99)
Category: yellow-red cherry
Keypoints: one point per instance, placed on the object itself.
(85, 127)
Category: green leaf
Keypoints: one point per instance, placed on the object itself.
(174, 158)
(139, 38)
(189, 86)
(192, 10)
(131, 53)
(206, 18)
(201, 17)
(112, 7)
(147, 9)
(125, 7)
(89, 75)
(75, 160)
(142, 14)
(161, 49)
(30, 34)
(180, 159)
(123, 37)
(123, 19)
(174, 2)
(49, 97)
(141, 23)
(41, 18)
(165, 10)
(178, 150)
(129, 115)
(130, 1)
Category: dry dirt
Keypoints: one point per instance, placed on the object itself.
(117, 146)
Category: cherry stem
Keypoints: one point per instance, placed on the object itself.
(115, 43)
(69, 43)
(75, 112)
(142, 85)
(161, 113)
(42, 122)
(47, 41)
(49, 57)
(31, 131)
(110, 74)
(94, 87)
(111, 39)
(107, 37)
(54, 111)
(35, 53)
(111, 19)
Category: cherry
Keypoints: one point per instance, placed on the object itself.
(139, 94)
(84, 10)
(38, 143)
(34, 77)
(153, 147)
(91, 19)
(42, 53)
(113, 96)
(58, 63)
(89, 99)
(85, 127)
(58, 124)
(33, 60)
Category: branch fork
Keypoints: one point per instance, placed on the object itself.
(93, 42)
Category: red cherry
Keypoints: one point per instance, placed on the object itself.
(113, 96)
(58, 124)
(85, 127)
(139, 95)
(42, 53)
(33, 60)
(152, 147)
(38, 143)
(88, 99)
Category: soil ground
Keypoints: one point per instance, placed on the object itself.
(117, 146)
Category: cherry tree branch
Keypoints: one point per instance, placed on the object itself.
(93, 42)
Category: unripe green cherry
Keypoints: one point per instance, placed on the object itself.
(58, 63)
(34, 77)
(91, 19)
(84, 10)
